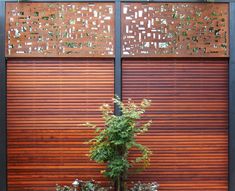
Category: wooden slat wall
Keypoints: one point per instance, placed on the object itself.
(48, 100)
(190, 121)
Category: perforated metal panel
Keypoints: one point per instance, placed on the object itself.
(175, 30)
(60, 30)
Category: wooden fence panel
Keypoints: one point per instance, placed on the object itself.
(189, 135)
(48, 101)
(49, 98)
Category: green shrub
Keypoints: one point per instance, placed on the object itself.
(113, 143)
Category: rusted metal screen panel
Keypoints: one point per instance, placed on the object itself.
(189, 135)
(48, 101)
(175, 30)
(60, 29)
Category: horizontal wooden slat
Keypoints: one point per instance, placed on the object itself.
(189, 110)
(49, 100)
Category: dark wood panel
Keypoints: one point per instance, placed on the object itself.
(189, 134)
(48, 101)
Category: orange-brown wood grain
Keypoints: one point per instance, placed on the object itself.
(189, 134)
(48, 100)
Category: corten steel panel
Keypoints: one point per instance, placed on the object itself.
(60, 29)
(175, 30)
(48, 101)
(189, 134)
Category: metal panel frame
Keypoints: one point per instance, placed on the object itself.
(232, 100)
(118, 79)
(118, 55)
(3, 117)
(141, 1)
(178, 1)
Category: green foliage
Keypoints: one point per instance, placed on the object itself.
(113, 143)
(63, 188)
(153, 186)
(89, 186)
(92, 186)
(83, 186)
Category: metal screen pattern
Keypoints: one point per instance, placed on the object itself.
(60, 29)
(175, 29)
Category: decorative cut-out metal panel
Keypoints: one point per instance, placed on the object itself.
(175, 29)
(60, 29)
